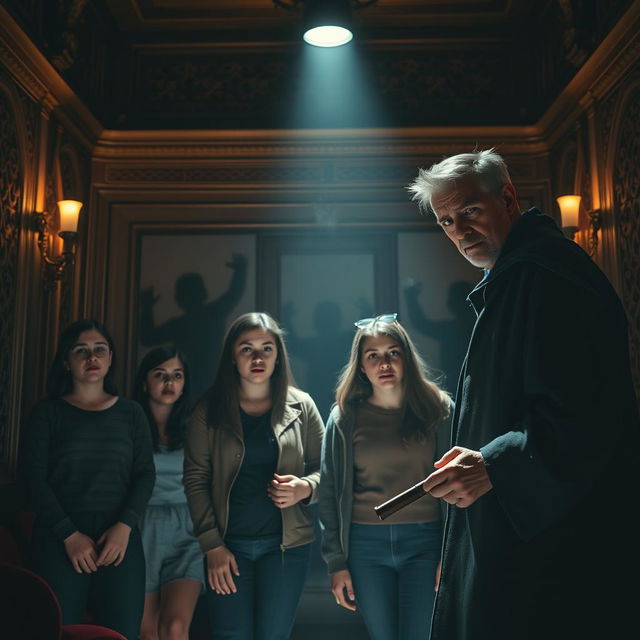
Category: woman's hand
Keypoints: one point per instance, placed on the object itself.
(81, 550)
(342, 589)
(221, 567)
(116, 540)
(285, 491)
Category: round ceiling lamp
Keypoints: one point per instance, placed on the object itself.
(326, 23)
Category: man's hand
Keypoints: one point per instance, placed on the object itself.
(221, 567)
(461, 477)
(342, 589)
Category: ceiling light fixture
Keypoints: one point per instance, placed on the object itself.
(326, 23)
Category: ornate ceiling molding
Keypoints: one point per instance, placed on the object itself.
(311, 143)
(619, 51)
(35, 75)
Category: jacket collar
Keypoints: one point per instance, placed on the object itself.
(291, 412)
(522, 244)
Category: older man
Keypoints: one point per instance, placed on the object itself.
(542, 475)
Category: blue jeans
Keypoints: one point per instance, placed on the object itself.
(268, 591)
(393, 569)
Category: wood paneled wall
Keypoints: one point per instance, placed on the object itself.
(51, 146)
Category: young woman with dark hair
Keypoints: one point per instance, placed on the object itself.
(90, 470)
(174, 577)
(380, 440)
(252, 460)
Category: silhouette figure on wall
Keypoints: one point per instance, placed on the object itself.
(326, 352)
(452, 333)
(199, 331)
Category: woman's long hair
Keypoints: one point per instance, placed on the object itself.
(223, 400)
(59, 380)
(424, 404)
(177, 422)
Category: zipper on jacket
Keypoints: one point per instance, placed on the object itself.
(226, 525)
(283, 548)
(277, 441)
(344, 484)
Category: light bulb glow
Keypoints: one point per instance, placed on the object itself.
(69, 212)
(328, 36)
(569, 210)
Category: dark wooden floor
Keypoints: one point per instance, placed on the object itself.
(319, 618)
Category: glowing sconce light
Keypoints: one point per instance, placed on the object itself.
(570, 216)
(56, 265)
(569, 212)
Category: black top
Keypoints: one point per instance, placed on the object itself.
(252, 514)
(81, 461)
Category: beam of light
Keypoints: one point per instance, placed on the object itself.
(328, 36)
(333, 88)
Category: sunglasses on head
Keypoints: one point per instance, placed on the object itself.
(385, 318)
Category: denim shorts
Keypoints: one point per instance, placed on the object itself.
(170, 548)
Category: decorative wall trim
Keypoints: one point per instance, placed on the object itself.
(623, 180)
(14, 149)
(275, 144)
(33, 73)
(619, 51)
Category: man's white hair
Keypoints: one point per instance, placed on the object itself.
(487, 166)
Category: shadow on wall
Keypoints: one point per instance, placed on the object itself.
(326, 351)
(199, 331)
(452, 334)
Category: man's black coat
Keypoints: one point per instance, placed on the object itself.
(546, 395)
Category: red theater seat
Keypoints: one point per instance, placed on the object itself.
(29, 610)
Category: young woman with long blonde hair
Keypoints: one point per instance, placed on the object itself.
(381, 439)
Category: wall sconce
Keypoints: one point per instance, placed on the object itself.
(570, 216)
(56, 266)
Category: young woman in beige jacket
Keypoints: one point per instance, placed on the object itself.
(252, 460)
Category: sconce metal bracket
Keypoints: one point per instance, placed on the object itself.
(55, 266)
(595, 224)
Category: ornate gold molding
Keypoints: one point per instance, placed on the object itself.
(33, 73)
(618, 52)
(312, 143)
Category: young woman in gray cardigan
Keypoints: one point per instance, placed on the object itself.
(380, 440)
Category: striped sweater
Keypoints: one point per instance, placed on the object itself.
(81, 461)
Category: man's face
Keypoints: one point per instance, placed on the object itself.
(477, 222)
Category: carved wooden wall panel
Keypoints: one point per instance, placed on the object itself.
(239, 88)
(626, 189)
(11, 195)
